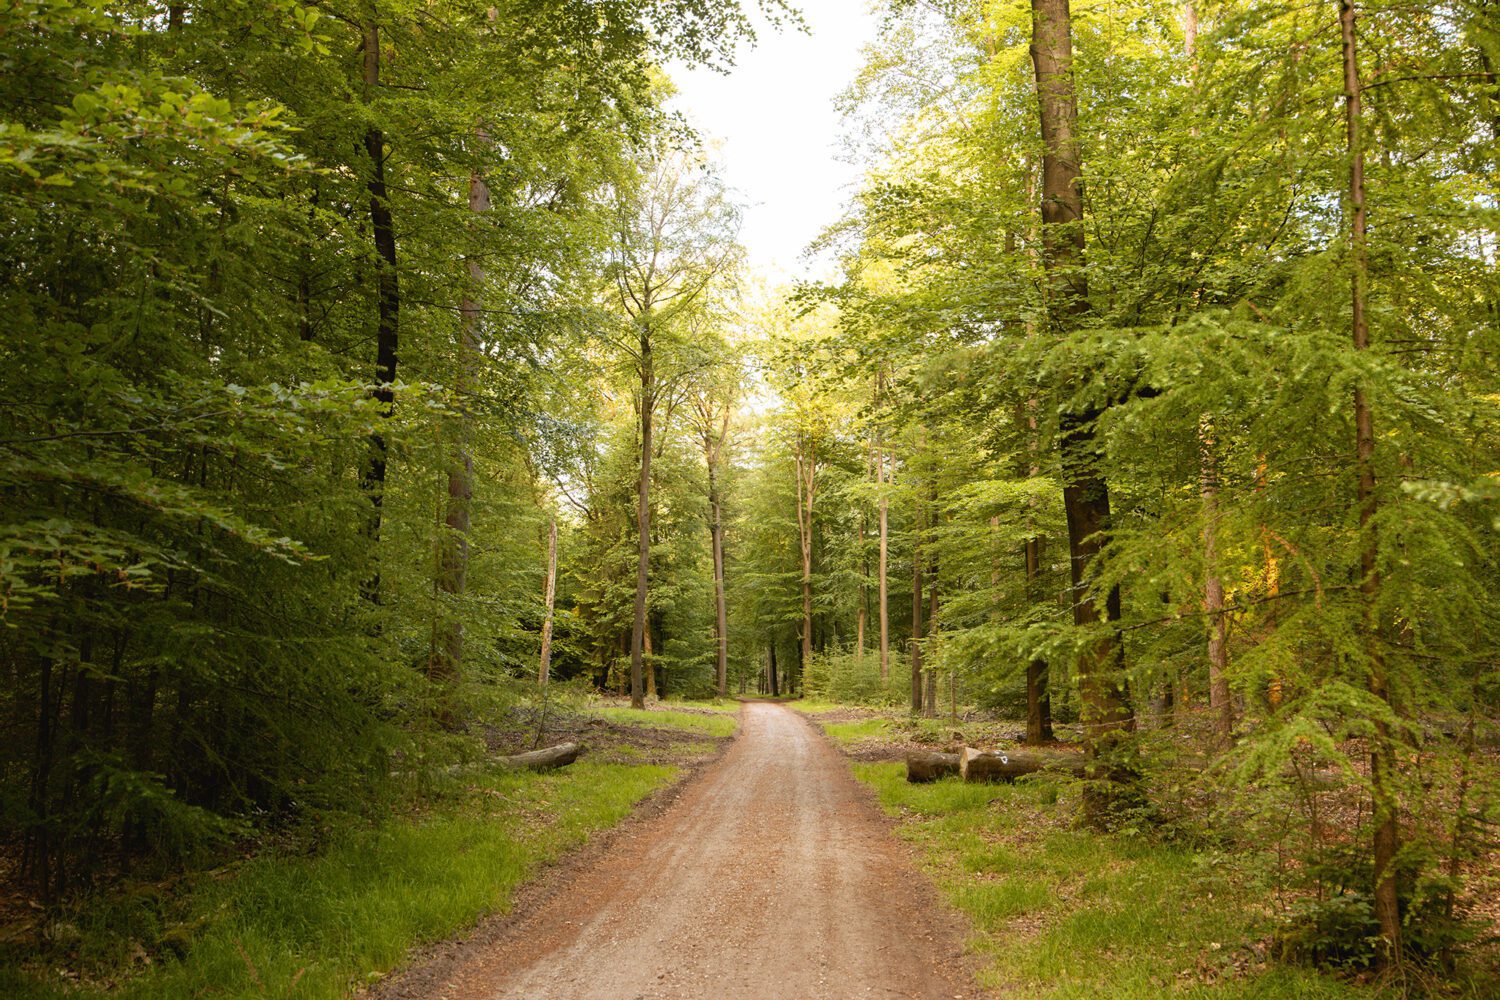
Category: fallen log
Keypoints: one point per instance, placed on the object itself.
(1008, 765)
(542, 760)
(924, 765)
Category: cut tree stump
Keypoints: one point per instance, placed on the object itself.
(1008, 765)
(542, 760)
(924, 765)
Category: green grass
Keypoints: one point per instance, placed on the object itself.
(845, 733)
(711, 704)
(315, 927)
(718, 724)
(1065, 913)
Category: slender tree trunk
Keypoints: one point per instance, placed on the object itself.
(1038, 698)
(445, 660)
(930, 708)
(388, 297)
(771, 670)
(544, 670)
(649, 660)
(643, 522)
(916, 620)
(721, 618)
(863, 614)
(1104, 702)
(881, 480)
(1219, 699)
(806, 489)
(1387, 838)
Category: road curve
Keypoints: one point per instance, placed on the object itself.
(772, 876)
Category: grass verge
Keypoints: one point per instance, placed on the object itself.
(1064, 913)
(317, 927)
(707, 723)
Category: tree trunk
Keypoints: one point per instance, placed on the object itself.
(721, 618)
(929, 709)
(916, 622)
(1219, 699)
(1387, 838)
(863, 613)
(923, 766)
(445, 660)
(771, 670)
(388, 298)
(542, 760)
(885, 548)
(544, 671)
(1008, 765)
(1038, 699)
(1105, 710)
(642, 521)
(806, 488)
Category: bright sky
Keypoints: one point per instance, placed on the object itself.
(777, 130)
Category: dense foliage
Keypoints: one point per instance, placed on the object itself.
(1156, 393)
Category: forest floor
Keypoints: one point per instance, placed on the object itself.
(283, 919)
(1062, 912)
(772, 874)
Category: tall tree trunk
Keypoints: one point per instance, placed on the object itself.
(771, 671)
(885, 549)
(1105, 710)
(445, 660)
(1219, 699)
(544, 670)
(1387, 838)
(388, 297)
(862, 617)
(1038, 699)
(643, 520)
(806, 490)
(721, 618)
(929, 709)
(916, 619)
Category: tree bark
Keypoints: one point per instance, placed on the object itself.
(923, 766)
(1008, 765)
(642, 520)
(445, 660)
(806, 490)
(885, 547)
(542, 760)
(544, 670)
(721, 617)
(1219, 699)
(388, 297)
(1105, 707)
(1038, 699)
(1387, 840)
(916, 621)
(929, 708)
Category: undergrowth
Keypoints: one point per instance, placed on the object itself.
(1065, 913)
(316, 927)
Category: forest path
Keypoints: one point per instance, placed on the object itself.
(772, 877)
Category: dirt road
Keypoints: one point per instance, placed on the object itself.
(772, 877)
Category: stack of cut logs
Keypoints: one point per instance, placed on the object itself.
(989, 765)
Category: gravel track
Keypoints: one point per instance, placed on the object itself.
(772, 875)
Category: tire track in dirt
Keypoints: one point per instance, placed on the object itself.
(772, 875)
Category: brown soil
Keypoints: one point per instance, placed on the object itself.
(771, 875)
